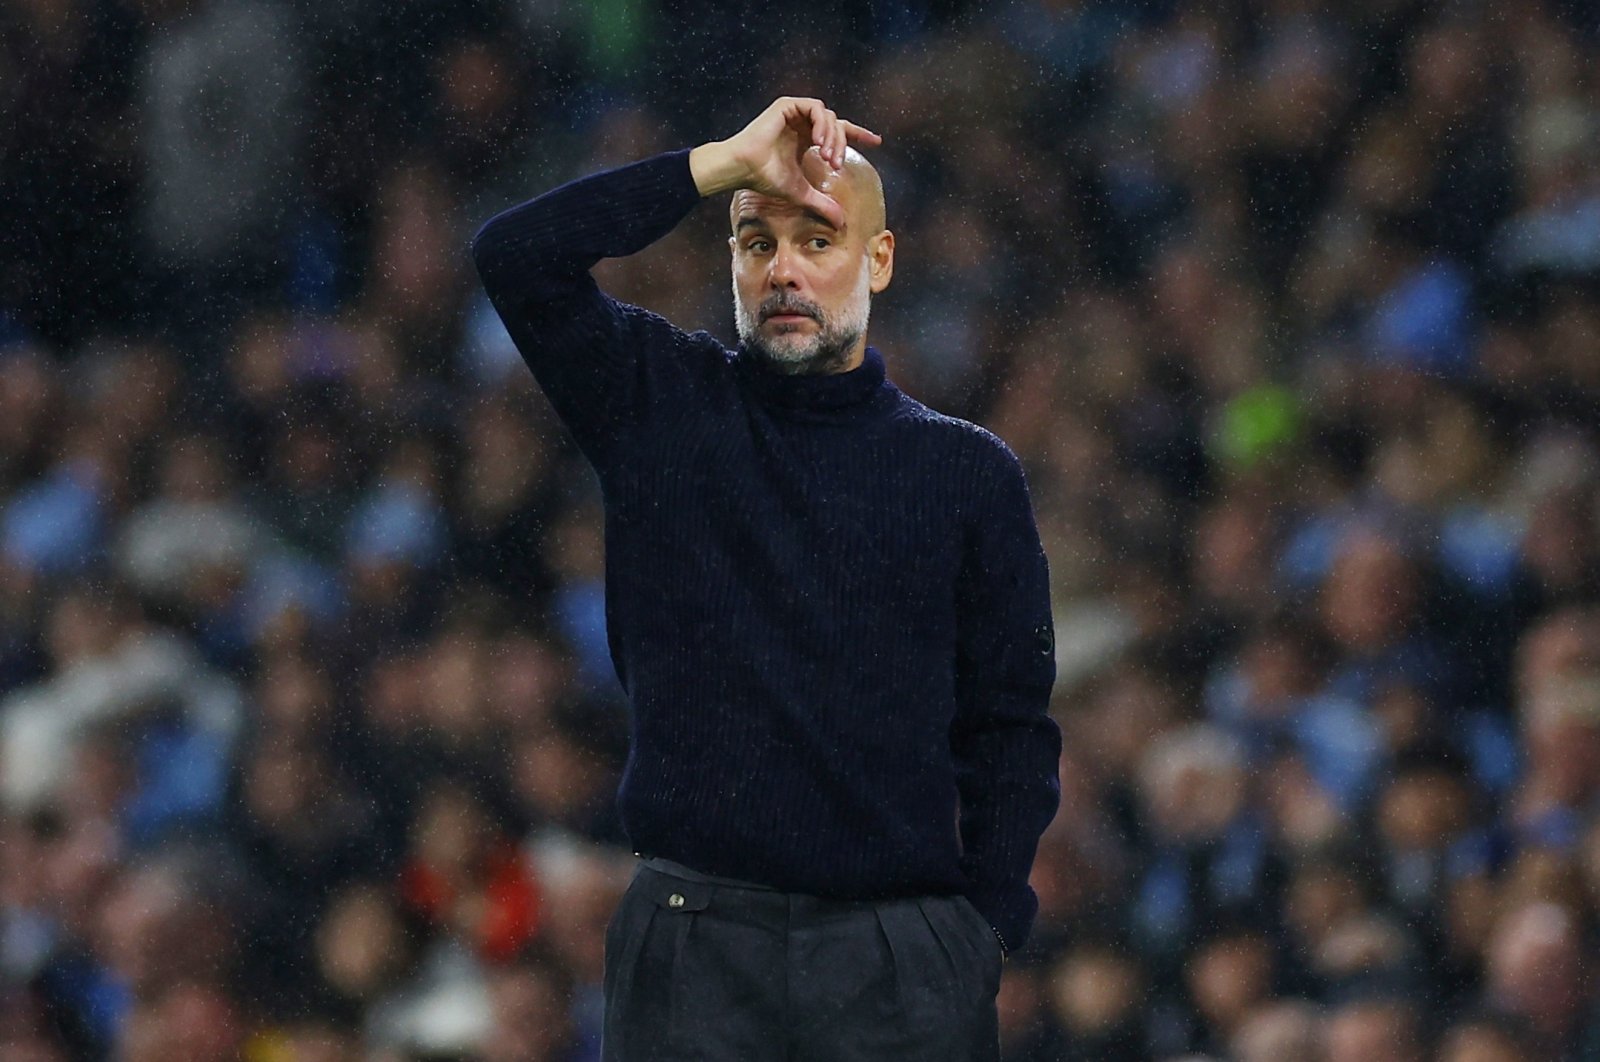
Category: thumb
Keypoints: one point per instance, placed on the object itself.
(817, 178)
(813, 198)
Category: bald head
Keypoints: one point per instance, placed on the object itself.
(866, 189)
(857, 188)
(802, 284)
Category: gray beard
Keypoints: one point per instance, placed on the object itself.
(825, 352)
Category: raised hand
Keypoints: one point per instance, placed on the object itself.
(790, 151)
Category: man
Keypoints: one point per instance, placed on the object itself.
(828, 606)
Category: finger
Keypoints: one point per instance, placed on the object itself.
(819, 129)
(808, 109)
(824, 123)
(823, 204)
(802, 114)
(860, 134)
(814, 167)
(838, 139)
(833, 150)
(820, 175)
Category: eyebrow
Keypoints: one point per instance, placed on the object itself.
(754, 221)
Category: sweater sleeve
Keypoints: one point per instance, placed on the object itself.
(1006, 747)
(584, 348)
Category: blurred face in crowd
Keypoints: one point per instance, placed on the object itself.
(24, 1032)
(81, 627)
(1020, 1003)
(579, 902)
(295, 697)
(1193, 784)
(451, 832)
(555, 779)
(314, 1041)
(1321, 896)
(1275, 1031)
(1423, 810)
(1228, 977)
(531, 1018)
(360, 942)
(1480, 1043)
(1370, 594)
(284, 778)
(142, 929)
(1471, 904)
(1559, 547)
(527, 675)
(1230, 542)
(1558, 688)
(802, 288)
(1277, 664)
(1589, 865)
(1373, 1032)
(1095, 990)
(194, 1022)
(1542, 874)
(1301, 812)
(1535, 967)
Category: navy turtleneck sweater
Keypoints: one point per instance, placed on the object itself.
(827, 603)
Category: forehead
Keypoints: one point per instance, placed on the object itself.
(748, 205)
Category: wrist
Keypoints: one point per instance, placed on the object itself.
(714, 168)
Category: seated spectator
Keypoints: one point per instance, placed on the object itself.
(1377, 1030)
(465, 877)
(1273, 1031)
(531, 1020)
(1536, 971)
(1208, 848)
(364, 952)
(1228, 976)
(1097, 995)
(564, 774)
(1490, 1037)
(110, 663)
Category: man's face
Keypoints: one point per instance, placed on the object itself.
(802, 288)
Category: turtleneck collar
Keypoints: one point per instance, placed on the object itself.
(819, 391)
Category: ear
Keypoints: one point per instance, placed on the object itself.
(880, 260)
(733, 246)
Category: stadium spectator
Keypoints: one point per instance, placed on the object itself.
(1289, 311)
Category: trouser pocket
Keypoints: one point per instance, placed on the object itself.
(980, 933)
(947, 980)
(645, 1012)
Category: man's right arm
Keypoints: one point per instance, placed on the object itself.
(588, 351)
(582, 346)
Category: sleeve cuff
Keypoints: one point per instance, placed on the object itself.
(1010, 913)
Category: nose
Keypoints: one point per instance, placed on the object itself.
(783, 272)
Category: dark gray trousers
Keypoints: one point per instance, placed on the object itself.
(698, 969)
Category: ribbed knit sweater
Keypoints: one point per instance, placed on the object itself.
(827, 603)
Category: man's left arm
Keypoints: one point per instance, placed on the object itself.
(1006, 747)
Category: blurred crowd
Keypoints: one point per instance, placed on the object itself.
(308, 727)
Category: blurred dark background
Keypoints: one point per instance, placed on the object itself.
(308, 730)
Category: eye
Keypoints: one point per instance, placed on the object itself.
(820, 243)
(759, 246)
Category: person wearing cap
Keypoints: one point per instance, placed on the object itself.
(828, 606)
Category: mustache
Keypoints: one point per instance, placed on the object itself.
(787, 304)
